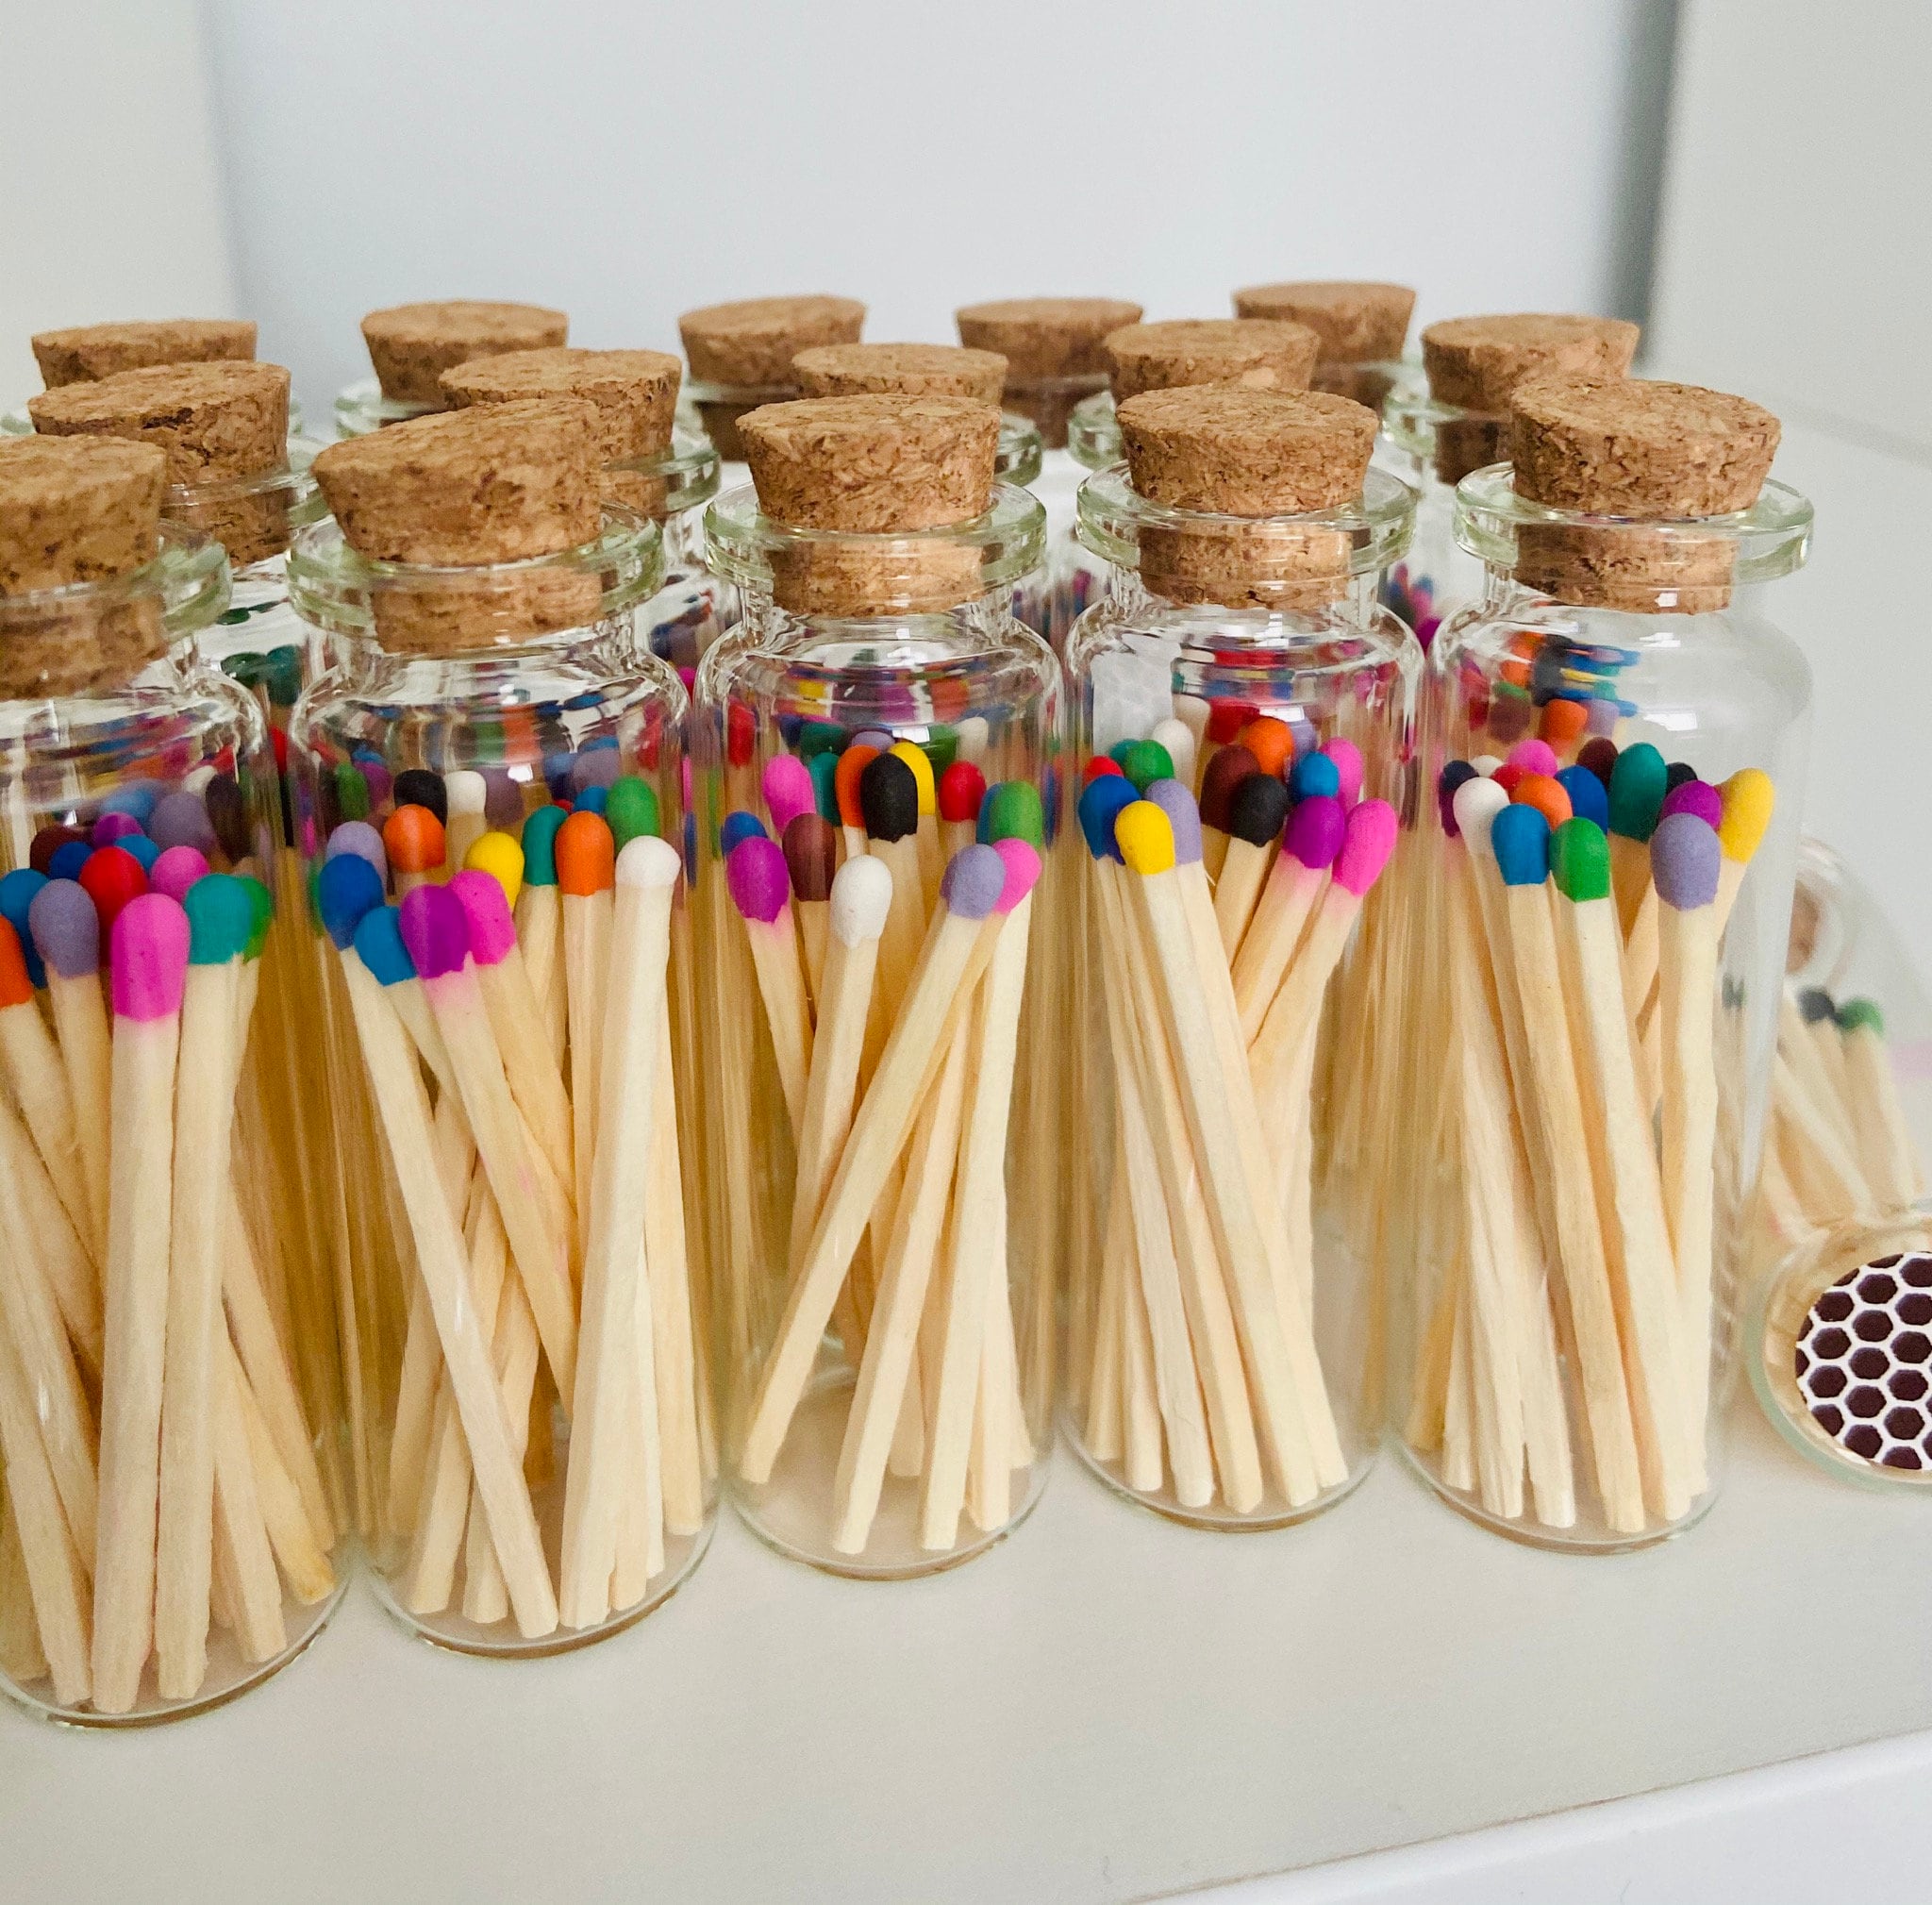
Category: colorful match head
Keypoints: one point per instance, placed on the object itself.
(862, 897)
(1183, 817)
(148, 956)
(1178, 739)
(143, 851)
(586, 855)
(820, 737)
(67, 859)
(486, 910)
(1599, 754)
(1315, 774)
(113, 878)
(1545, 792)
(1101, 801)
(596, 765)
(878, 739)
(499, 856)
(888, 798)
(413, 838)
(811, 855)
(853, 764)
(1145, 837)
(18, 891)
(111, 826)
(1748, 799)
(592, 799)
(1562, 722)
(1685, 861)
(973, 881)
(220, 917)
(740, 825)
(649, 862)
(1349, 768)
(1144, 762)
(1316, 831)
(353, 836)
(1451, 777)
(1815, 1005)
(1486, 764)
(379, 947)
(961, 789)
(1860, 1015)
(1022, 864)
(1699, 797)
(1638, 783)
(1366, 844)
(64, 928)
(261, 910)
(918, 765)
(1533, 757)
(1098, 765)
(47, 842)
(1590, 800)
(1676, 774)
(1258, 809)
(1270, 742)
(181, 819)
(467, 793)
(1520, 837)
(756, 873)
(540, 845)
(1230, 766)
(1580, 860)
(136, 799)
(422, 787)
(16, 989)
(825, 784)
(436, 931)
(1012, 810)
(1225, 720)
(788, 790)
(346, 889)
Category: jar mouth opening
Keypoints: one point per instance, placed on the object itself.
(701, 391)
(361, 408)
(1094, 432)
(292, 477)
(689, 470)
(1021, 450)
(187, 579)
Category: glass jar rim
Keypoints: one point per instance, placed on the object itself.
(1094, 432)
(1021, 452)
(188, 576)
(360, 407)
(740, 541)
(292, 476)
(1771, 538)
(1112, 516)
(689, 470)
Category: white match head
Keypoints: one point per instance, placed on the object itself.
(1178, 739)
(862, 897)
(972, 738)
(1476, 804)
(1486, 764)
(465, 790)
(647, 861)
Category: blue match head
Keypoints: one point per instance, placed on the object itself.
(1101, 801)
(17, 892)
(1590, 800)
(346, 889)
(739, 826)
(593, 798)
(67, 860)
(1521, 837)
(379, 946)
(143, 849)
(1314, 774)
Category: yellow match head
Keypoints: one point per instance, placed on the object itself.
(916, 758)
(1144, 835)
(502, 859)
(1748, 799)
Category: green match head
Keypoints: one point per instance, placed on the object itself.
(352, 791)
(1639, 782)
(262, 904)
(631, 810)
(1144, 762)
(940, 746)
(219, 918)
(1013, 811)
(1580, 860)
(1860, 1015)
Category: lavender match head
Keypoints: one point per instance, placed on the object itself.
(974, 879)
(1685, 861)
(66, 928)
(1183, 817)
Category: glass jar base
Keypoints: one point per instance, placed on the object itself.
(1580, 1539)
(790, 1512)
(1215, 1516)
(228, 1676)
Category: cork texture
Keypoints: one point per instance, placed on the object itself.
(872, 464)
(213, 421)
(93, 351)
(1257, 353)
(1246, 565)
(751, 343)
(900, 370)
(1358, 322)
(1475, 363)
(1639, 570)
(412, 344)
(76, 510)
(1469, 442)
(910, 577)
(1247, 453)
(1046, 337)
(1634, 448)
(634, 393)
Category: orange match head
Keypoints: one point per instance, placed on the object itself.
(1563, 721)
(412, 838)
(586, 855)
(16, 989)
(852, 763)
(1547, 795)
(1270, 742)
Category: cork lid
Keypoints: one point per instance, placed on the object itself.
(1629, 447)
(412, 344)
(76, 510)
(1046, 337)
(1358, 322)
(1475, 363)
(213, 421)
(751, 343)
(874, 464)
(92, 351)
(1258, 353)
(635, 392)
(1247, 453)
(901, 370)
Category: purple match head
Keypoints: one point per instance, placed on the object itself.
(181, 820)
(1696, 797)
(436, 930)
(973, 881)
(364, 841)
(1366, 846)
(150, 957)
(1022, 864)
(1533, 757)
(754, 871)
(1182, 815)
(594, 766)
(486, 908)
(874, 737)
(113, 826)
(1349, 770)
(503, 800)
(1685, 860)
(376, 779)
(175, 869)
(1315, 831)
(788, 790)
(65, 927)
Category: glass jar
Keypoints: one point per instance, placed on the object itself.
(886, 1366)
(489, 805)
(360, 407)
(1070, 577)
(1591, 1150)
(1223, 1326)
(693, 607)
(169, 1398)
(1432, 446)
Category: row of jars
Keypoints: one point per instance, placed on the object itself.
(474, 1089)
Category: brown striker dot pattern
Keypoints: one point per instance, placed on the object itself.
(1864, 1362)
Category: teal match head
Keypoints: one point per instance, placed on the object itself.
(1011, 811)
(824, 781)
(540, 845)
(1639, 782)
(1581, 859)
(261, 915)
(220, 919)
(1519, 837)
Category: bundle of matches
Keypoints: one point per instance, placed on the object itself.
(1199, 1359)
(1581, 910)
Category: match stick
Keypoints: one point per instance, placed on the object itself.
(66, 931)
(586, 853)
(1256, 811)
(811, 857)
(762, 891)
(962, 790)
(540, 922)
(1884, 1137)
(889, 799)
(1225, 770)
(1295, 882)
(1639, 782)
(926, 831)
(467, 795)
(412, 837)
(853, 762)
(1746, 799)
(31, 1061)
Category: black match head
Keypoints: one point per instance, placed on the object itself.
(888, 798)
(1258, 809)
(421, 787)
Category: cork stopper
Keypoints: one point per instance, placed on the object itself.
(1260, 354)
(412, 344)
(73, 511)
(93, 351)
(1054, 351)
(1653, 451)
(1360, 324)
(874, 465)
(491, 484)
(1232, 452)
(634, 394)
(749, 346)
(900, 370)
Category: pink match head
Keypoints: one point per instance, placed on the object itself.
(1023, 873)
(684, 779)
(486, 908)
(1533, 757)
(1366, 846)
(1315, 831)
(1347, 758)
(176, 869)
(788, 790)
(149, 952)
(754, 871)
(436, 930)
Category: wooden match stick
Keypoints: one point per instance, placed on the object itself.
(1256, 811)
(889, 799)
(1225, 770)
(66, 932)
(586, 855)
(464, 823)
(926, 831)
(31, 1063)
(1884, 1137)
(1294, 884)
(762, 891)
(1748, 799)
(853, 762)
(812, 858)
(962, 790)
(540, 922)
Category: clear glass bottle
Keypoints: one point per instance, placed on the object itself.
(512, 1082)
(887, 1368)
(172, 1526)
(1599, 969)
(1432, 446)
(693, 607)
(1234, 664)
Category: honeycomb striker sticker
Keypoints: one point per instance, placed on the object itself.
(1864, 1362)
